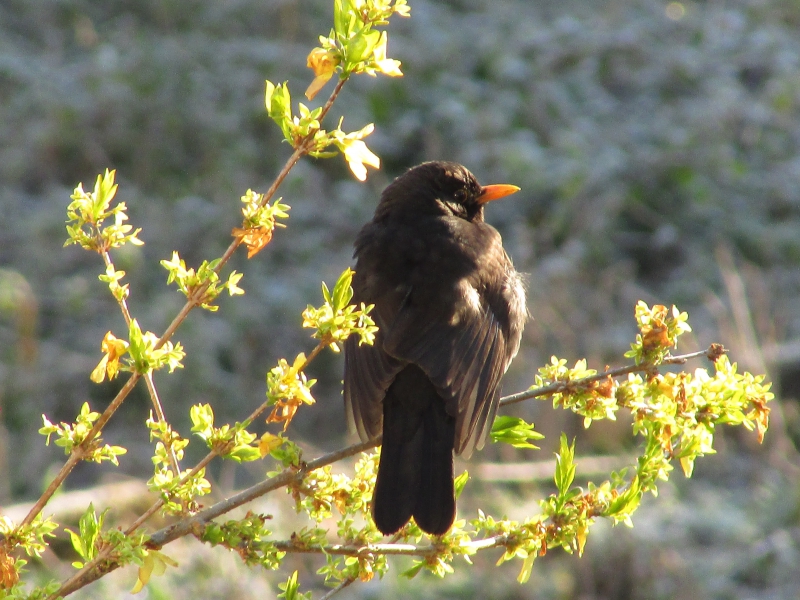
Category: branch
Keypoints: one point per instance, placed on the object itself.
(79, 451)
(77, 581)
(393, 549)
(91, 572)
(221, 450)
(542, 470)
(301, 150)
(288, 476)
(148, 378)
(338, 589)
(713, 352)
(295, 475)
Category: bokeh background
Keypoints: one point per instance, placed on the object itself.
(657, 146)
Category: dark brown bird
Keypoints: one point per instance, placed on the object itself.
(451, 309)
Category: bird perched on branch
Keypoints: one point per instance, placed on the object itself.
(451, 309)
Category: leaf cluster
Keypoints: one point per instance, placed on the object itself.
(88, 212)
(337, 319)
(73, 435)
(201, 286)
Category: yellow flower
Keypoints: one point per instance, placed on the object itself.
(323, 63)
(114, 349)
(387, 66)
(356, 152)
(268, 443)
(357, 155)
(401, 8)
(289, 388)
(154, 563)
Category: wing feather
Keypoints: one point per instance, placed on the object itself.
(464, 358)
(368, 373)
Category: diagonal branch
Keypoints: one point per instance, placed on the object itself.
(338, 589)
(196, 522)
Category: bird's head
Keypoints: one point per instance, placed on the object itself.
(440, 188)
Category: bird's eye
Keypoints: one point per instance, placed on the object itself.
(460, 195)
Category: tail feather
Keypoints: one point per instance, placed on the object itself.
(396, 485)
(415, 475)
(435, 508)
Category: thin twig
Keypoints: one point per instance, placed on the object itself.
(148, 378)
(196, 522)
(711, 353)
(79, 451)
(389, 549)
(338, 588)
(542, 470)
(286, 477)
(187, 525)
(300, 151)
(221, 450)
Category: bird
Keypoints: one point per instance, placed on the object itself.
(450, 310)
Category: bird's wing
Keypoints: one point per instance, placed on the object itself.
(368, 369)
(368, 373)
(459, 343)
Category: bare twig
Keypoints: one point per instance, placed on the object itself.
(389, 549)
(541, 470)
(338, 588)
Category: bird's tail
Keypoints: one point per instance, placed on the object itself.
(415, 476)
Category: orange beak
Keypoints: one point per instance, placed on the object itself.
(495, 192)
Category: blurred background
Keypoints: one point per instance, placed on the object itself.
(657, 146)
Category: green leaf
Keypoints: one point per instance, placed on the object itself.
(342, 291)
(290, 588)
(414, 570)
(76, 541)
(270, 89)
(514, 431)
(244, 454)
(460, 482)
(340, 19)
(565, 466)
(326, 294)
(626, 503)
(90, 525)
